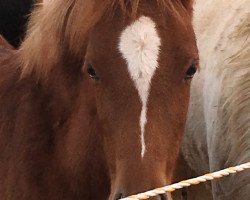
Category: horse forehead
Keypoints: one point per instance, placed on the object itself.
(139, 45)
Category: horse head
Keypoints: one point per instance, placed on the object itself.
(133, 62)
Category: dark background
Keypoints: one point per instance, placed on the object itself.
(13, 19)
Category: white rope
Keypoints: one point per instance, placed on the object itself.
(187, 183)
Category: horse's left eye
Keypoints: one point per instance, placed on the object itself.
(92, 73)
(191, 72)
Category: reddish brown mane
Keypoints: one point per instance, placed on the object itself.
(55, 27)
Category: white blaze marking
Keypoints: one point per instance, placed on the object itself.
(140, 47)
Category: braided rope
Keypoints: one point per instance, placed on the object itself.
(187, 183)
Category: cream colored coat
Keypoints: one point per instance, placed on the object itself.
(218, 127)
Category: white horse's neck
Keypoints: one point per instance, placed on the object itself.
(223, 37)
(221, 28)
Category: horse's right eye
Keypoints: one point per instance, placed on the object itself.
(92, 73)
(191, 72)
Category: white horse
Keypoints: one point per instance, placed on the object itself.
(218, 126)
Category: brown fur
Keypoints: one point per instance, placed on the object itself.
(66, 136)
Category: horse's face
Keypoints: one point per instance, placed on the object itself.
(139, 77)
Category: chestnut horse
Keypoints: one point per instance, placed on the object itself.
(94, 103)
